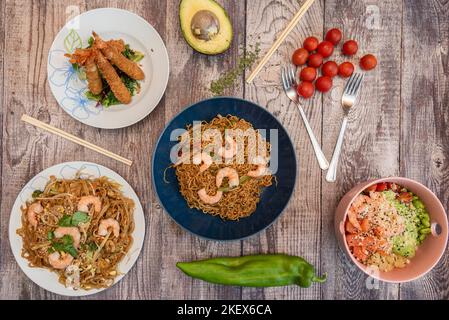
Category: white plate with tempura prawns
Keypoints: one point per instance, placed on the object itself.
(76, 228)
(108, 74)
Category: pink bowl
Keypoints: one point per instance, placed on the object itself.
(428, 253)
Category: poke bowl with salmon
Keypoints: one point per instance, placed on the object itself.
(394, 229)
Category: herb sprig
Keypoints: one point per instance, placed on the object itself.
(228, 79)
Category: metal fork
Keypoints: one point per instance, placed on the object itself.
(348, 99)
(289, 82)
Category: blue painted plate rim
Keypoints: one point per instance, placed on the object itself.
(159, 141)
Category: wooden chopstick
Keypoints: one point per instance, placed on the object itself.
(280, 39)
(73, 138)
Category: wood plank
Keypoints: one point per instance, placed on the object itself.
(191, 74)
(297, 231)
(21, 151)
(2, 105)
(425, 119)
(371, 146)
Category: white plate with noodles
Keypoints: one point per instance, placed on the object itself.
(76, 228)
(71, 85)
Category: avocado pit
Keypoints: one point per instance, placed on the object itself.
(205, 25)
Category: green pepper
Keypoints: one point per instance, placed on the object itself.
(254, 271)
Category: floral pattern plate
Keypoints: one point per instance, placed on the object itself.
(69, 90)
(45, 278)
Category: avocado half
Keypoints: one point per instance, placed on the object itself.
(219, 42)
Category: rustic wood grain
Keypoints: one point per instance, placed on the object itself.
(2, 108)
(371, 145)
(297, 231)
(425, 118)
(190, 75)
(400, 127)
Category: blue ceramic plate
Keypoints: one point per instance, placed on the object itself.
(273, 199)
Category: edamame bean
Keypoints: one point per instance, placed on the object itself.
(418, 204)
(424, 231)
(425, 223)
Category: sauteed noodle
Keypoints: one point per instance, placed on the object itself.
(229, 188)
(79, 228)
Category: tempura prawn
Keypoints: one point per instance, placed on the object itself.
(117, 86)
(86, 58)
(94, 81)
(129, 67)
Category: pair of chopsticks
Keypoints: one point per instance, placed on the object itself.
(71, 137)
(281, 38)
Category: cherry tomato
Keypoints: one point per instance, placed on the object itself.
(323, 83)
(345, 69)
(381, 186)
(333, 36)
(305, 89)
(368, 62)
(393, 186)
(371, 188)
(310, 44)
(405, 197)
(350, 47)
(330, 69)
(315, 60)
(307, 74)
(300, 56)
(325, 48)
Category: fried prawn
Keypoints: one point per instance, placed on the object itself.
(93, 76)
(129, 67)
(119, 44)
(117, 86)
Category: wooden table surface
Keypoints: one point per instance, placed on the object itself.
(399, 128)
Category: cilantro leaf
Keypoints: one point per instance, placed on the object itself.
(36, 193)
(74, 220)
(71, 250)
(79, 217)
(65, 221)
(65, 244)
(93, 246)
(67, 239)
